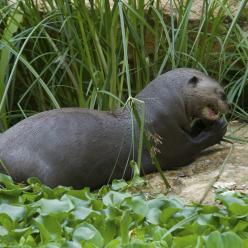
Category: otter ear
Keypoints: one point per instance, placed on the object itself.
(194, 81)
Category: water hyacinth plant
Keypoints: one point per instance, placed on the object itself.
(38, 216)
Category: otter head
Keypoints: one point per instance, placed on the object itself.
(206, 99)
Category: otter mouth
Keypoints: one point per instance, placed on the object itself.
(210, 112)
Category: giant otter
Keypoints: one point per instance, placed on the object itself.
(78, 147)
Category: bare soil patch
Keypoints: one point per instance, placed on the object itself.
(190, 182)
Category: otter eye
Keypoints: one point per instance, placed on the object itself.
(222, 96)
(194, 81)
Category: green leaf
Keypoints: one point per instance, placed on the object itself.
(114, 198)
(6, 221)
(51, 245)
(138, 244)
(185, 241)
(232, 240)
(214, 240)
(48, 206)
(81, 213)
(229, 198)
(137, 205)
(124, 227)
(52, 226)
(109, 230)
(71, 244)
(153, 216)
(116, 243)
(119, 185)
(76, 200)
(87, 232)
(238, 210)
(8, 182)
(241, 226)
(16, 213)
(3, 231)
(167, 214)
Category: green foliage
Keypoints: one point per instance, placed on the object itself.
(38, 216)
(70, 53)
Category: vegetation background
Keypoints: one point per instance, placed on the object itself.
(94, 54)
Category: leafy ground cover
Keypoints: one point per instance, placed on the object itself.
(70, 54)
(93, 54)
(35, 215)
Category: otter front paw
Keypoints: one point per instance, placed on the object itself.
(197, 127)
(212, 134)
(218, 128)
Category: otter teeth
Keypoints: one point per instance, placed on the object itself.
(210, 113)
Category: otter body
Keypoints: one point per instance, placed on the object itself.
(78, 147)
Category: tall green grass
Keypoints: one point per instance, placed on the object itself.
(70, 53)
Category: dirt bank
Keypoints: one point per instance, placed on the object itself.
(190, 182)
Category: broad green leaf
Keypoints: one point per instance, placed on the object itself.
(119, 185)
(52, 226)
(6, 221)
(3, 231)
(48, 206)
(242, 225)
(185, 241)
(116, 243)
(109, 230)
(214, 240)
(137, 205)
(232, 240)
(153, 216)
(114, 198)
(76, 201)
(138, 244)
(16, 213)
(238, 210)
(124, 227)
(81, 213)
(167, 214)
(71, 244)
(229, 198)
(51, 245)
(87, 232)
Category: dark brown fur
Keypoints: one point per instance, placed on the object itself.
(79, 147)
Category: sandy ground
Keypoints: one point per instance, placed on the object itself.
(191, 182)
(195, 10)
